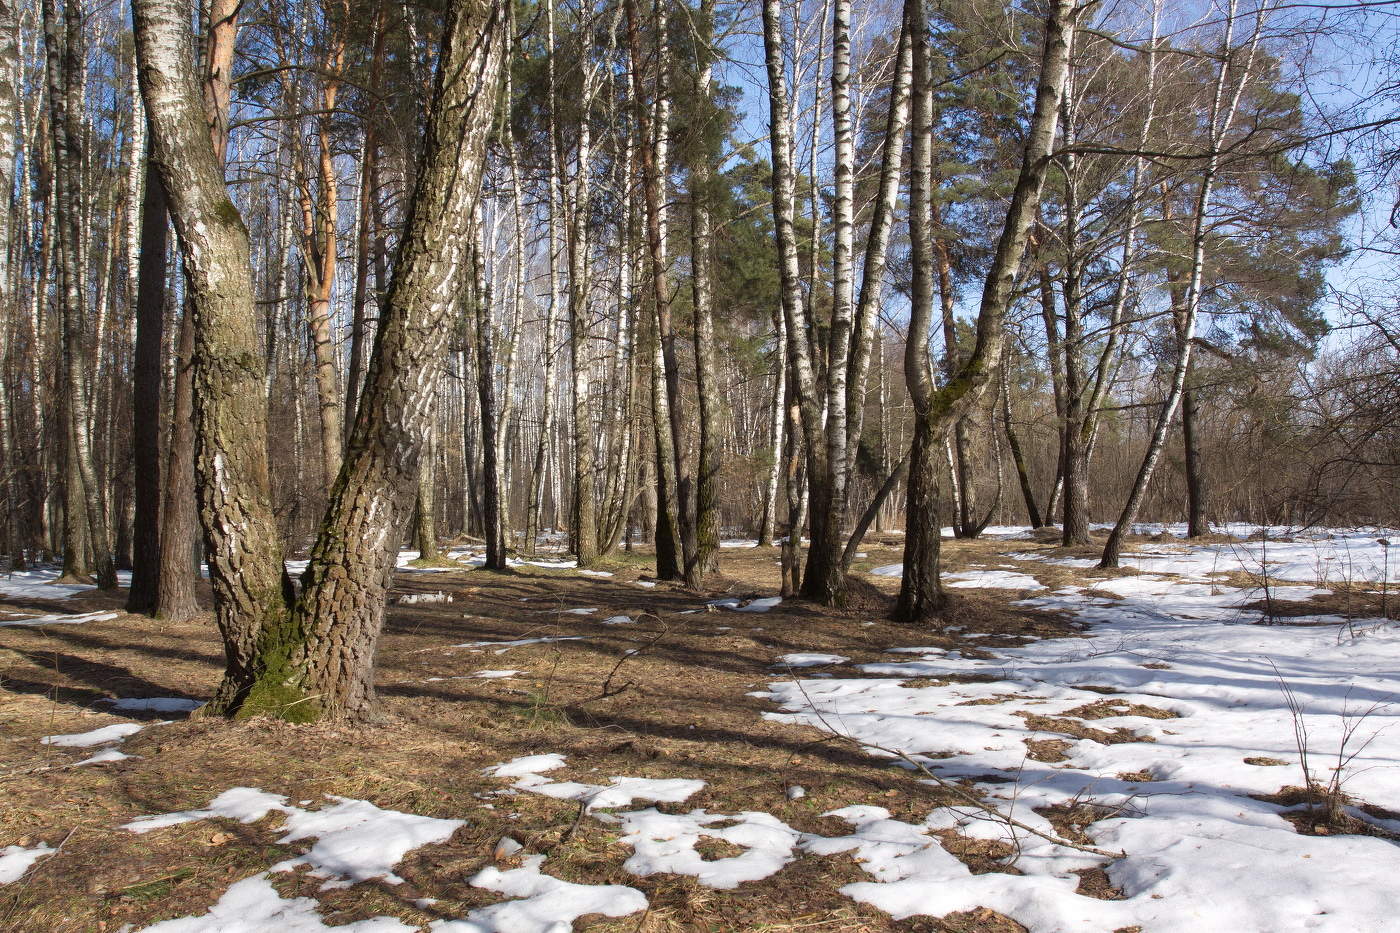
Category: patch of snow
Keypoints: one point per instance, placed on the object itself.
(112, 733)
(546, 904)
(254, 906)
(495, 675)
(1167, 643)
(581, 612)
(414, 599)
(596, 573)
(357, 841)
(993, 580)
(527, 764)
(618, 620)
(620, 792)
(59, 618)
(762, 604)
(154, 704)
(16, 860)
(665, 842)
(1081, 563)
(503, 646)
(39, 584)
(103, 757)
(244, 804)
(811, 660)
(888, 570)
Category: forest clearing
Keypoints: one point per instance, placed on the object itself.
(693, 765)
(516, 466)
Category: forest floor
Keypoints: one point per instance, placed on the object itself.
(668, 760)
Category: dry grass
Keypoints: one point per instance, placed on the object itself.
(685, 711)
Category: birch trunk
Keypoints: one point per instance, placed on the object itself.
(329, 650)
(706, 379)
(230, 409)
(1222, 117)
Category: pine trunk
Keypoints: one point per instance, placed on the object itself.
(147, 383)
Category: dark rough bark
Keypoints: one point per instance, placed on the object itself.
(146, 395)
(668, 544)
(1196, 522)
(920, 591)
(425, 501)
(485, 339)
(330, 651)
(179, 513)
(1014, 442)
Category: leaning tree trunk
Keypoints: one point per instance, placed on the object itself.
(1222, 116)
(921, 595)
(326, 658)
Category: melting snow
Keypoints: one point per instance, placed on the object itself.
(59, 618)
(155, 705)
(254, 906)
(39, 584)
(16, 860)
(1202, 853)
(103, 757)
(664, 842)
(413, 599)
(547, 905)
(994, 580)
(503, 646)
(811, 660)
(113, 733)
(739, 605)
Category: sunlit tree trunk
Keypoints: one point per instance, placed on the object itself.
(921, 595)
(1224, 107)
(330, 645)
(702, 291)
